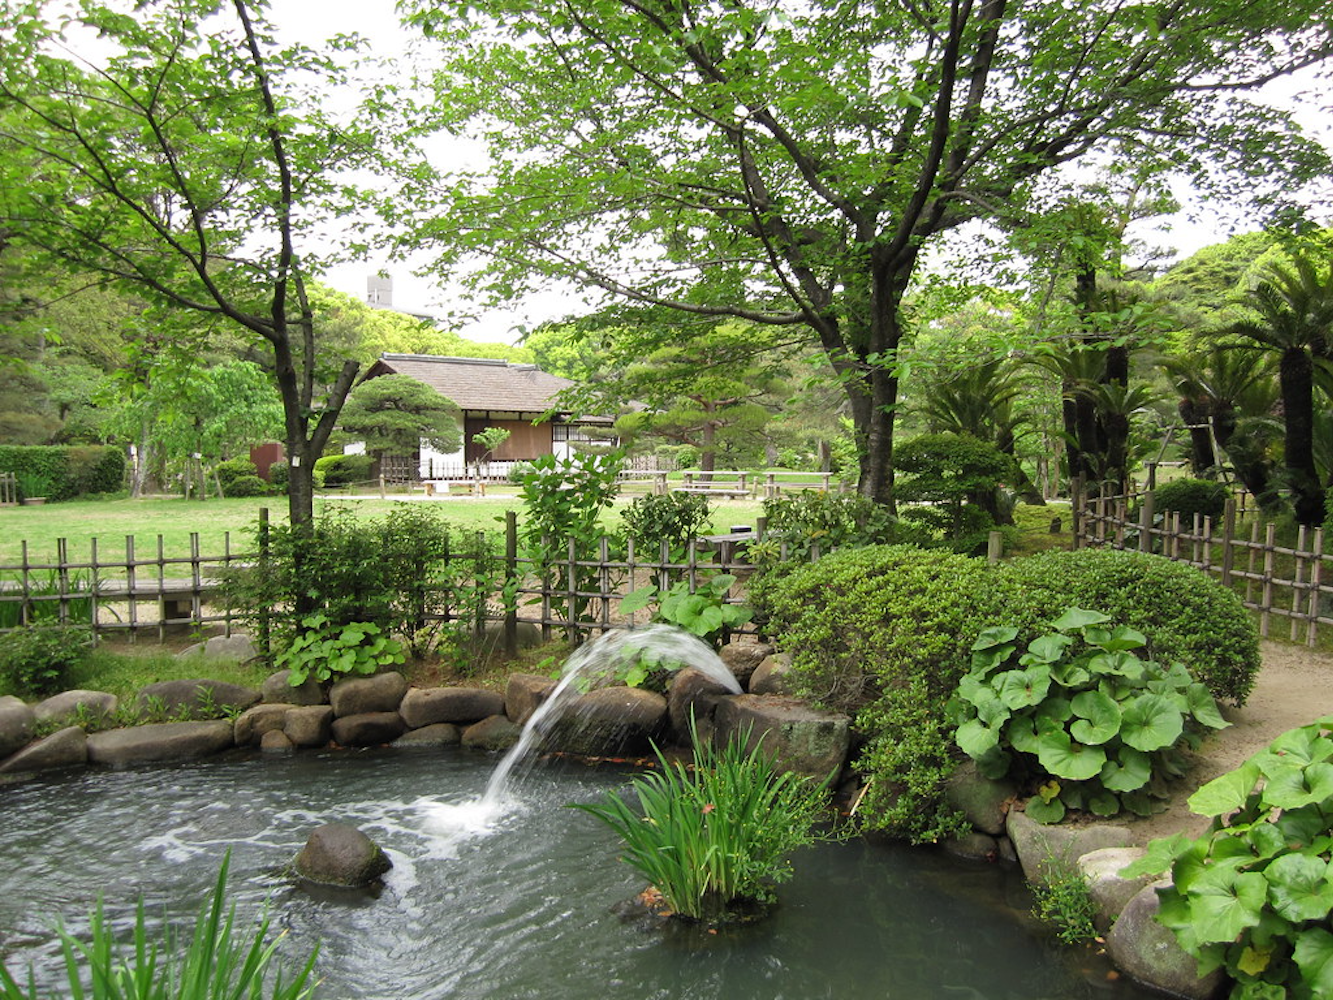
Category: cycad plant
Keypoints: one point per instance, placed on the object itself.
(221, 962)
(718, 834)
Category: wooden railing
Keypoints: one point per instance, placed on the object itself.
(1293, 581)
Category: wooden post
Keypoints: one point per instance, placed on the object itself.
(994, 546)
(1228, 536)
(94, 584)
(511, 584)
(62, 578)
(1076, 510)
(1316, 580)
(1267, 599)
(1152, 476)
(265, 622)
(1145, 521)
(382, 491)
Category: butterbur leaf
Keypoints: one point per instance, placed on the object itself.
(1064, 758)
(1024, 688)
(1223, 903)
(1119, 664)
(1053, 713)
(976, 739)
(994, 765)
(1150, 722)
(996, 635)
(1079, 618)
(1023, 735)
(1313, 955)
(1044, 812)
(1294, 787)
(1298, 887)
(1104, 803)
(1253, 961)
(1204, 708)
(1227, 793)
(1098, 718)
(1129, 770)
(1048, 648)
(985, 660)
(1160, 855)
(1122, 637)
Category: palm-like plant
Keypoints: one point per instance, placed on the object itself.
(1293, 318)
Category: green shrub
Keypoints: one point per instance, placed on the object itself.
(1188, 497)
(36, 662)
(220, 961)
(326, 651)
(96, 469)
(954, 480)
(1064, 904)
(248, 486)
(701, 609)
(1187, 617)
(672, 518)
(232, 469)
(279, 473)
(344, 470)
(1078, 719)
(66, 471)
(715, 835)
(1253, 895)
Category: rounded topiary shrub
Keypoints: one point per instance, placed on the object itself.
(1187, 616)
(249, 486)
(1188, 497)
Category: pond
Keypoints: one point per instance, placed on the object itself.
(517, 909)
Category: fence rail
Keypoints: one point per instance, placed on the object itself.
(1292, 582)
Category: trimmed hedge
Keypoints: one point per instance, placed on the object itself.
(1186, 615)
(1188, 497)
(68, 471)
(344, 470)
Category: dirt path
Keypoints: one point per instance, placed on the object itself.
(1295, 687)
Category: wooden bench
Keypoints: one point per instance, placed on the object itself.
(474, 487)
(712, 491)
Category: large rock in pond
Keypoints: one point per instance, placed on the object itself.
(984, 802)
(253, 723)
(309, 725)
(1049, 852)
(496, 733)
(609, 721)
(440, 734)
(17, 722)
(368, 729)
(427, 706)
(1147, 952)
(693, 696)
(801, 739)
(524, 694)
(94, 705)
(196, 695)
(773, 676)
(1110, 893)
(164, 741)
(64, 748)
(278, 690)
(339, 854)
(361, 695)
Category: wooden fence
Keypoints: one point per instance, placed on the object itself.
(572, 593)
(1292, 581)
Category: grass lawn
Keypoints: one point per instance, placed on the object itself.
(110, 521)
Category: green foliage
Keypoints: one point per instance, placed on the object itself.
(716, 835)
(1092, 724)
(61, 472)
(395, 413)
(324, 650)
(37, 661)
(955, 480)
(344, 470)
(704, 612)
(232, 469)
(249, 486)
(672, 518)
(220, 962)
(1188, 497)
(1064, 904)
(278, 474)
(1254, 894)
(1186, 616)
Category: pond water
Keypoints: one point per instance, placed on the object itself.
(519, 908)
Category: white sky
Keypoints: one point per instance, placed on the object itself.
(311, 20)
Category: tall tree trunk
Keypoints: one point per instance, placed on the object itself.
(1296, 378)
(1194, 415)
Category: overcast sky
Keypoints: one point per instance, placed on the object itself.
(312, 20)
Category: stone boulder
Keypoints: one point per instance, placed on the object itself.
(984, 802)
(427, 706)
(524, 694)
(195, 695)
(253, 723)
(339, 854)
(1047, 852)
(278, 689)
(17, 722)
(309, 725)
(609, 721)
(235, 648)
(67, 704)
(367, 729)
(64, 748)
(496, 733)
(362, 695)
(773, 676)
(973, 846)
(440, 734)
(693, 695)
(800, 738)
(1147, 952)
(1110, 892)
(276, 741)
(742, 658)
(164, 741)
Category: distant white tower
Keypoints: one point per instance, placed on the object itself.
(379, 291)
